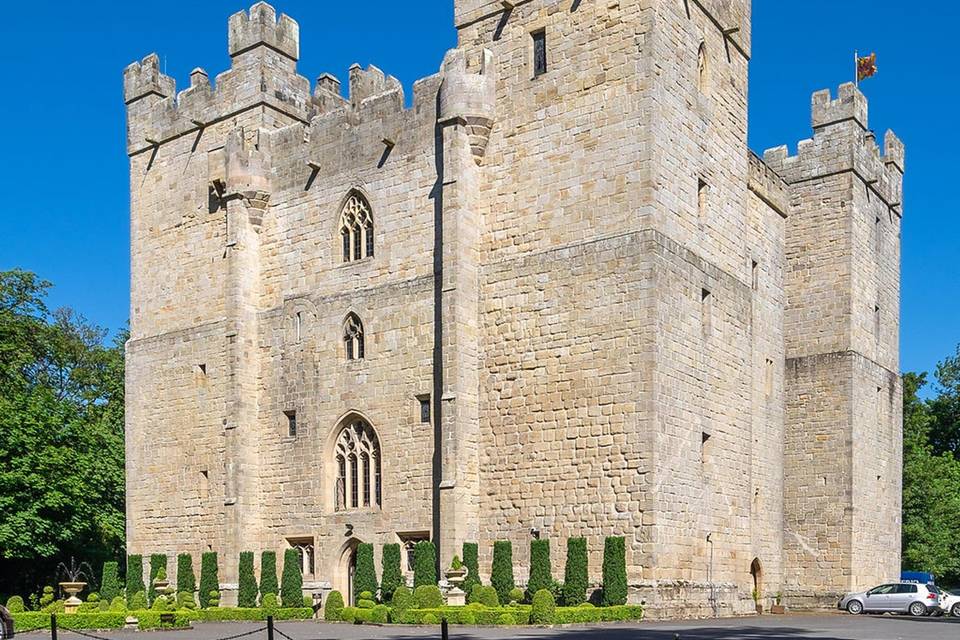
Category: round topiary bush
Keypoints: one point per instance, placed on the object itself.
(380, 614)
(119, 604)
(428, 596)
(468, 617)
(213, 599)
(544, 609)
(429, 618)
(402, 599)
(489, 597)
(333, 608)
(139, 601)
(506, 618)
(516, 595)
(93, 597)
(15, 605)
(185, 600)
(366, 604)
(349, 614)
(269, 601)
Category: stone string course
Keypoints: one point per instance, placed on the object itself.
(625, 322)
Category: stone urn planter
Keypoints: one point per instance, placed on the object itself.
(456, 574)
(778, 609)
(72, 603)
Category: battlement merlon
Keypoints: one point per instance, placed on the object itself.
(842, 143)
(142, 79)
(260, 27)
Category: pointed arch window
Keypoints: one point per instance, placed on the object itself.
(358, 468)
(702, 67)
(353, 337)
(356, 228)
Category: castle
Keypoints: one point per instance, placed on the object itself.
(557, 296)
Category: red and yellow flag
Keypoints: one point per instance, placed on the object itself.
(866, 67)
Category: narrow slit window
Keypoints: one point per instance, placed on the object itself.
(424, 408)
(705, 447)
(539, 52)
(353, 482)
(291, 422)
(703, 192)
(365, 469)
(754, 275)
(876, 323)
(298, 321)
(706, 311)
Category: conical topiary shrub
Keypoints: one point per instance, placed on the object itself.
(209, 577)
(471, 562)
(392, 576)
(575, 576)
(110, 582)
(268, 574)
(614, 571)
(365, 575)
(291, 585)
(501, 576)
(541, 576)
(247, 587)
(424, 564)
(186, 580)
(134, 578)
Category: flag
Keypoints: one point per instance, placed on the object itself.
(866, 67)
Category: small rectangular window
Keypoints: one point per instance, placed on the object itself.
(768, 378)
(204, 484)
(305, 549)
(291, 422)
(877, 234)
(539, 52)
(368, 234)
(754, 275)
(424, 408)
(705, 447)
(357, 249)
(299, 325)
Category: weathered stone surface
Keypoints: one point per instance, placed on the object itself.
(620, 320)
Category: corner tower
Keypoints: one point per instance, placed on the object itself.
(843, 462)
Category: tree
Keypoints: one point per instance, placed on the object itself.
(247, 587)
(614, 571)
(291, 585)
(109, 582)
(209, 577)
(62, 451)
(268, 573)
(472, 563)
(186, 580)
(541, 576)
(158, 561)
(944, 408)
(501, 575)
(365, 576)
(134, 578)
(575, 576)
(392, 576)
(424, 564)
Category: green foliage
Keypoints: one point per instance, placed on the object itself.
(402, 599)
(151, 619)
(138, 601)
(291, 585)
(93, 597)
(485, 595)
(105, 604)
(333, 608)
(471, 562)
(583, 614)
(62, 450)
(268, 573)
(365, 576)
(269, 601)
(118, 604)
(48, 597)
(468, 617)
(213, 599)
(15, 604)
(209, 578)
(110, 581)
(247, 587)
(392, 576)
(185, 600)
(348, 614)
(159, 603)
(424, 564)
(575, 575)
(428, 596)
(540, 570)
(506, 618)
(430, 618)
(456, 564)
(186, 580)
(88, 607)
(501, 576)
(614, 571)
(516, 595)
(134, 578)
(544, 607)
(158, 568)
(365, 603)
(380, 614)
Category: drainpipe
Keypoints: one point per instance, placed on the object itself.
(713, 594)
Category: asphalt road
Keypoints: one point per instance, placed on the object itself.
(791, 627)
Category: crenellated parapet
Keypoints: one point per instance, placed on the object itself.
(143, 79)
(260, 28)
(842, 142)
(469, 98)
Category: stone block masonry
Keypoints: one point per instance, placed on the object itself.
(561, 297)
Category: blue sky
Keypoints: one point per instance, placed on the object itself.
(65, 212)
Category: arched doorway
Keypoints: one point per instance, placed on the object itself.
(756, 570)
(346, 570)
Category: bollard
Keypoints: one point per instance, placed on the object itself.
(269, 627)
(444, 632)
(53, 626)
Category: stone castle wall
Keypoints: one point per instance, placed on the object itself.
(621, 321)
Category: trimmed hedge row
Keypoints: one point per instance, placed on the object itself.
(479, 615)
(151, 619)
(584, 614)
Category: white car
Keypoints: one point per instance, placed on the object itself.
(899, 597)
(950, 603)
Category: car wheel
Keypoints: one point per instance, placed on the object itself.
(855, 607)
(918, 609)
(955, 611)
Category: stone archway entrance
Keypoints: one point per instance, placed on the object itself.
(756, 571)
(346, 569)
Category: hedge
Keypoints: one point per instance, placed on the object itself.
(365, 574)
(291, 585)
(15, 605)
(268, 573)
(157, 561)
(471, 562)
(428, 596)
(134, 577)
(480, 615)
(462, 615)
(151, 619)
(544, 608)
(541, 576)
(391, 577)
(209, 577)
(501, 576)
(620, 613)
(575, 576)
(614, 571)
(247, 587)
(109, 581)
(186, 580)
(424, 564)
(333, 607)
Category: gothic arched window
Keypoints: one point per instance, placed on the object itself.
(353, 337)
(358, 468)
(356, 228)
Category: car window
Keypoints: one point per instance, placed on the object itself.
(884, 588)
(906, 588)
(932, 588)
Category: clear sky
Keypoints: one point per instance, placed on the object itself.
(65, 209)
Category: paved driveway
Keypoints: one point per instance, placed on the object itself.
(792, 627)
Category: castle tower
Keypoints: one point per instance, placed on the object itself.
(843, 394)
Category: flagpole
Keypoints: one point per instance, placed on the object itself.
(856, 67)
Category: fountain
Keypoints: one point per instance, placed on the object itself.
(74, 583)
